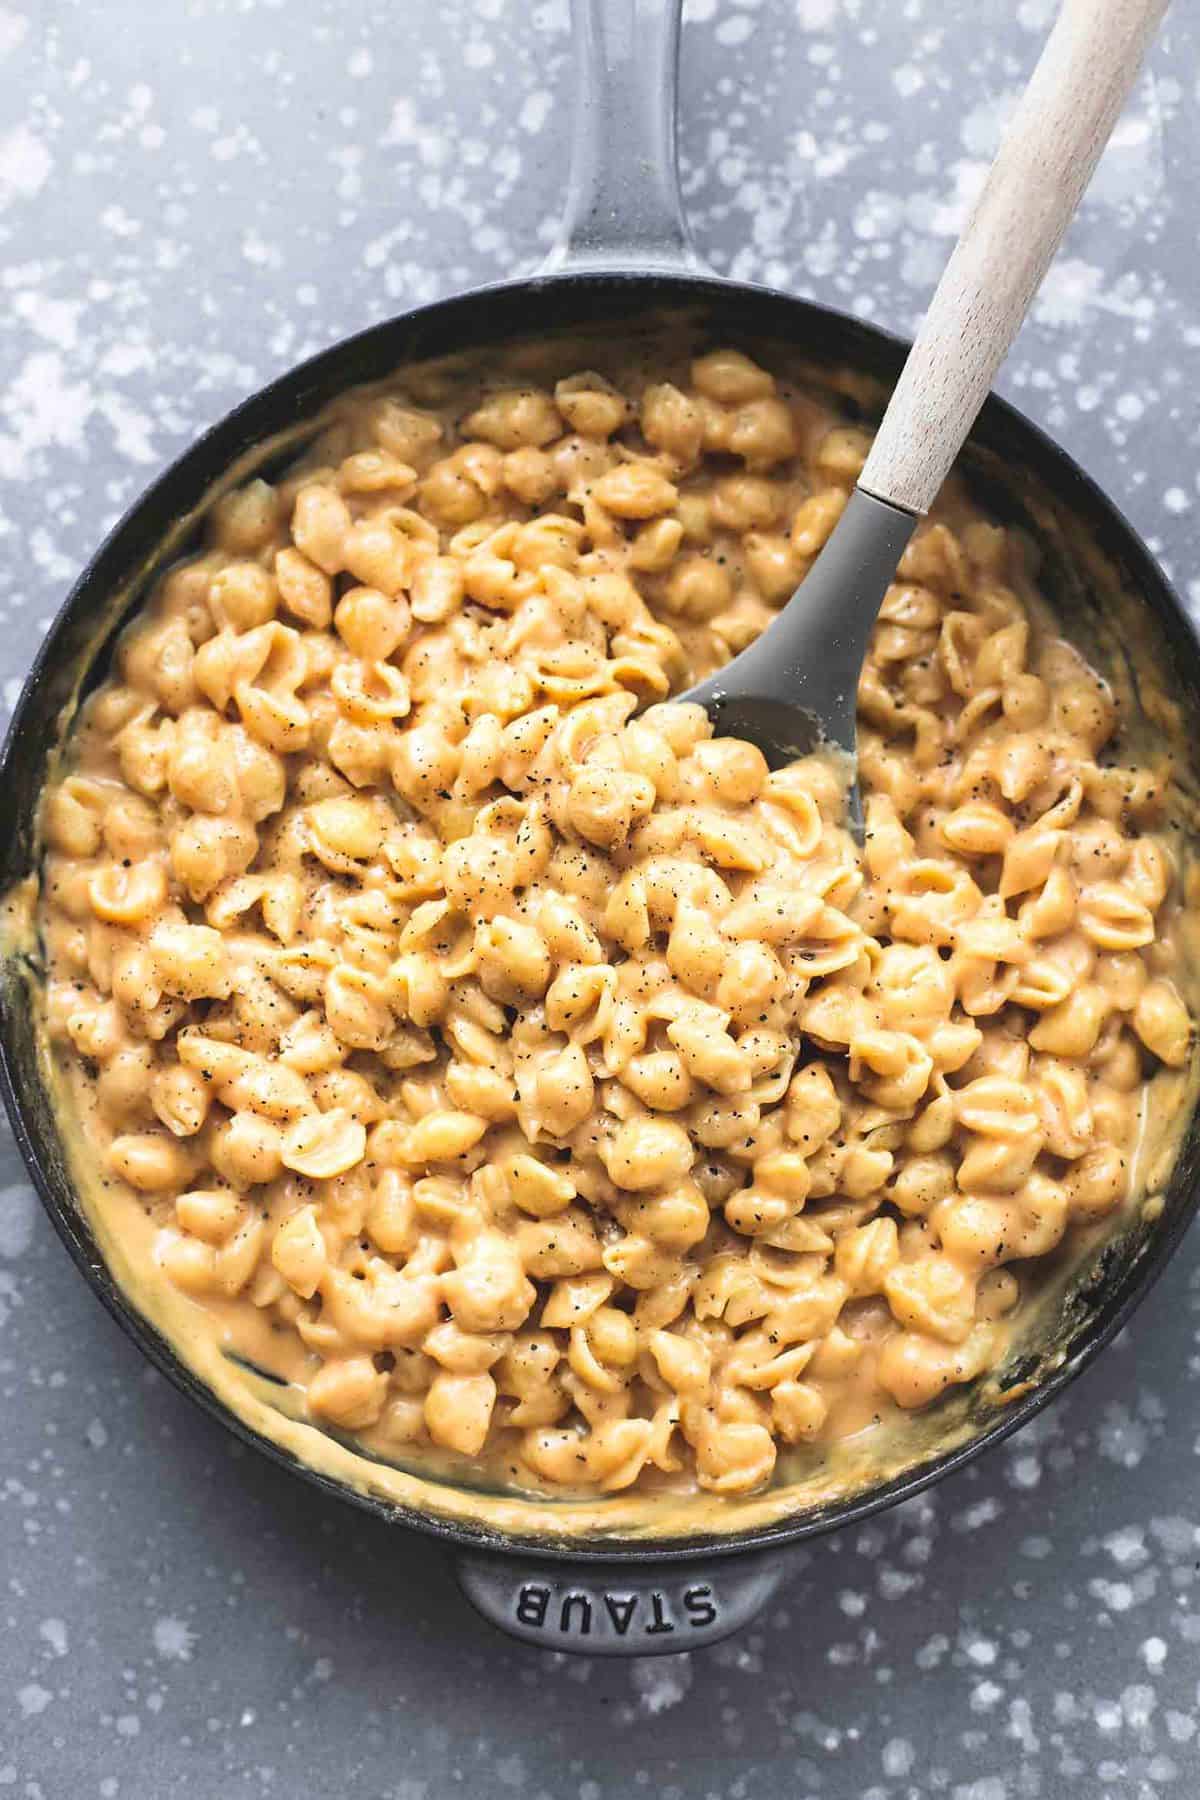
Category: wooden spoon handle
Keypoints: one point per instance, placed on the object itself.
(1045, 161)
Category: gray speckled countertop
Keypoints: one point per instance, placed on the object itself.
(192, 196)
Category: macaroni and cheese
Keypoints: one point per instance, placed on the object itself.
(529, 1075)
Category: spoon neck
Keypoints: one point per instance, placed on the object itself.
(820, 638)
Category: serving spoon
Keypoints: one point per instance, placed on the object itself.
(794, 689)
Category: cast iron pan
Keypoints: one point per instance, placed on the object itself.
(625, 258)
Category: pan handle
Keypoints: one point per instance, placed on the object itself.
(623, 208)
(619, 1609)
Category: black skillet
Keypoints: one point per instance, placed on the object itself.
(625, 256)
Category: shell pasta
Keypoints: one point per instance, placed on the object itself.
(531, 1075)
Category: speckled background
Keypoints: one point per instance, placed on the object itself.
(192, 196)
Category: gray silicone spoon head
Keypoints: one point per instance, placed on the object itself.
(794, 688)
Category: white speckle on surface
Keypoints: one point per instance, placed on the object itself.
(1020, 1725)
(54, 1632)
(734, 30)
(985, 1695)
(898, 1758)
(25, 164)
(1108, 1715)
(661, 1682)
(989, 1787)
(18, 1210)
(120, 223)
(1130, 171)
(133, 432)
(12, 31)
(1118, 1596)
(260, 252)
(510, 1771)
(1138, 1703)
(1121, 1437)
(535, 110)
(877, 216)
(173, 1639)
(43, 407)
(1127, 1547)
(1070, 288)
(816, 15)
(55, 321)
(33, 1699)
(1178, 1537)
